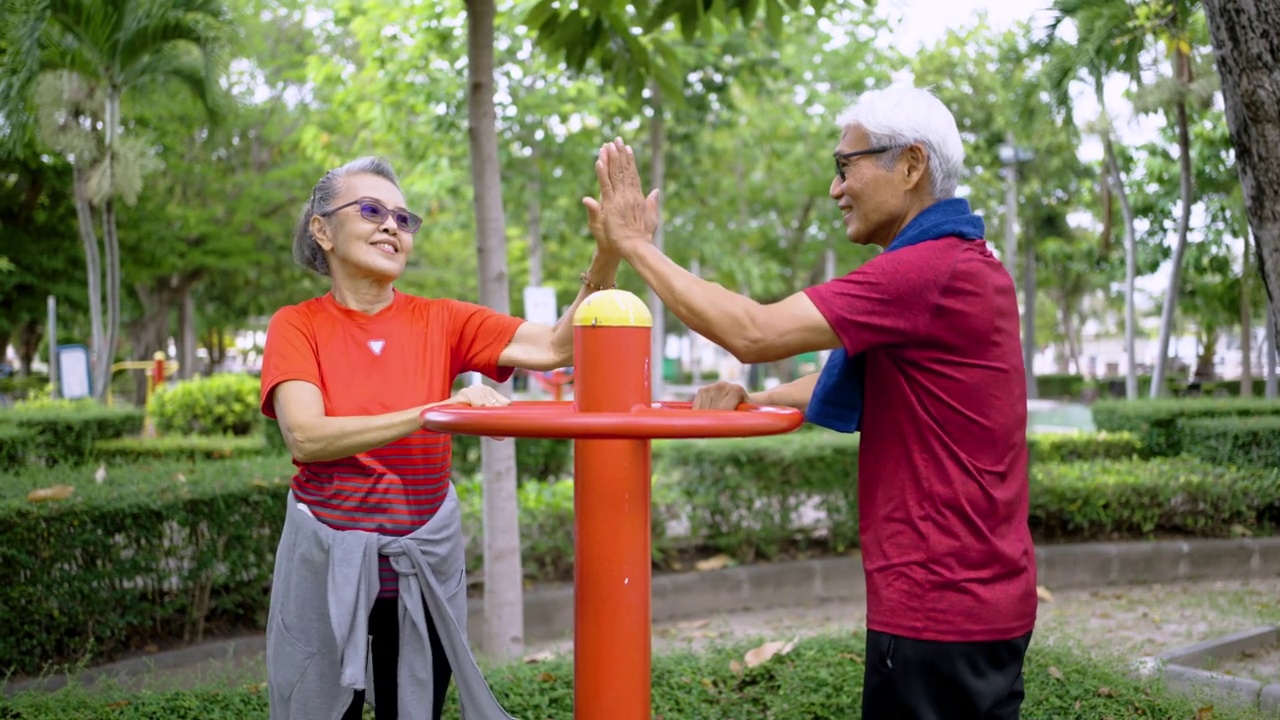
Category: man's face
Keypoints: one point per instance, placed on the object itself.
(874, 199)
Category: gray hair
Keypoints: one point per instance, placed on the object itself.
(902, 115)
(306, 251)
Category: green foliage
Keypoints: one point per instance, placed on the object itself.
(1145, 499)
(15, 443)
(223, 404)
(818, 679)
(1074, 447)
(1234, 441)
(177, 447)
(547, 526)
(536, 459)
(61, 431)
(155, 551)
(1069, 387)
(1156, 422)
(744, 496)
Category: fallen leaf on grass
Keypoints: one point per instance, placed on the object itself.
(693, 624)
(1205, 713)
(735, 667)
(716, 562)
(152, 648)
(1239, 530)
(764, 653)
(1106, 692)
(851, 656)
(180, 477)
(118, 704)
(1055, 673)
(1043, 593)
(55, 492)
(538, 657)
(100, 474)
(546, 677)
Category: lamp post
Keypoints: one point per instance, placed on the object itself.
(1010, 156)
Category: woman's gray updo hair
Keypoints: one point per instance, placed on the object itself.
(306, 251)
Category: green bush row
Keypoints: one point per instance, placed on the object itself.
(178, 447)
(820, 678)
(155, 551)
(1230, 441)
(1157, 423)
(164, 544)
(62, 433)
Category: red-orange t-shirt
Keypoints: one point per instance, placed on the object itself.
(404, 356)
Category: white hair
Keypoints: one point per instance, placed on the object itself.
(902, 115)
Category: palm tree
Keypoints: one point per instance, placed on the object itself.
(1102, 47)
(78, 58)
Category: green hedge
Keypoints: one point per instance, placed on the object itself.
(1146, 499)
(536, 459)
(1249, 441)
(222, 404)
(1057, 387)
(15, 444)
(176, 447)
(819, 679)
(66, 434)
(745, 495)
(1156, 422)
(155, 551)
(1072, 447)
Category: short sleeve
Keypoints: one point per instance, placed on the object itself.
(888, 301)
(290, 354)
(479, 337)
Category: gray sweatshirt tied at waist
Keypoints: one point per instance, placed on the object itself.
(323, 588)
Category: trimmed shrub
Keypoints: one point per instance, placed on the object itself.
(818, 679)
(174, 447)
(223, 404)
(15, 443)
(1248, 441)
(157, 551)
(536, 458)
(1071, 447)
(65, 433)
(1057, 387)
(745, 496)
(1137, 499)
(1155, 422)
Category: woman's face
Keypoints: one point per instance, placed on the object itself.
(356, 246)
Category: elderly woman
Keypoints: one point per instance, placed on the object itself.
(369, 579)
(927, 367)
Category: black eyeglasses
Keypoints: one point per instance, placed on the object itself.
(375, 212)
(842, 156)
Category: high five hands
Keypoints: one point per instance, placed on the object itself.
(623, 216)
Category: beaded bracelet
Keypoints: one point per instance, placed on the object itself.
(592, 286)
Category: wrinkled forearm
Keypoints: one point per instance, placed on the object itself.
(318, 439)
(795, 394)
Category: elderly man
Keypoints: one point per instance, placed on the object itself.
(928, 367)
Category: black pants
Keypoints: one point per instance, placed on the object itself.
(922, 680)
(384, 628)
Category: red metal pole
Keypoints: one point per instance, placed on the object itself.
(611, 497)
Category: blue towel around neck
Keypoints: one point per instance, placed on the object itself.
(837, 398)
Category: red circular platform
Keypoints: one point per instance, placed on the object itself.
(552, 419)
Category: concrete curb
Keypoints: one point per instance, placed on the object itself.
(548, 613)
(1183, 670)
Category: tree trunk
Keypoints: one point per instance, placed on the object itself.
(111, 246)
(1247, 49)
(98, 356)
(1029, 317)
(1246, 327)
(503, 575)
(535, 217)
(1182, 63)
(186, 334)
(150, 333)
(657, 177)
(27, 344)
(1271, 352)
(1130, 251)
